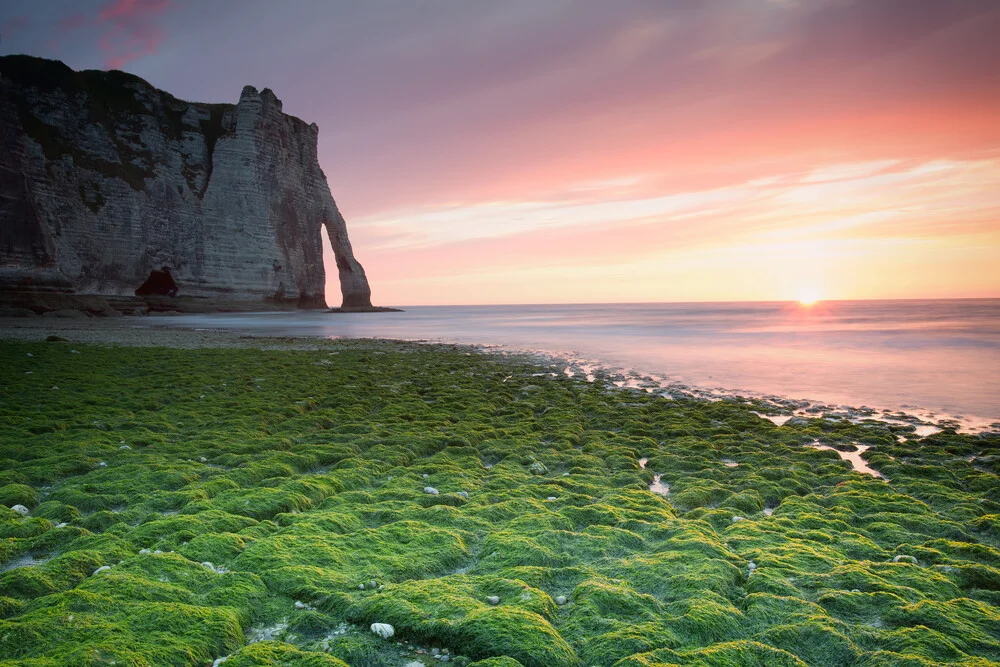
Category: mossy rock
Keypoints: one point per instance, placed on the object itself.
(18, 494)
(298, 477)
(271, 653)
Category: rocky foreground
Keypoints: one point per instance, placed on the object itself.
(378, 503)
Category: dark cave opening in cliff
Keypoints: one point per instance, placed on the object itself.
(159, 283)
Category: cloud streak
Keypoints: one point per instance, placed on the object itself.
(127, 29)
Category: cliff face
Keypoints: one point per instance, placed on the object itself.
(104, 178)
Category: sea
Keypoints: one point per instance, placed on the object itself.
(934, 362)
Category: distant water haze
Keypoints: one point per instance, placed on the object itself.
(939, 356)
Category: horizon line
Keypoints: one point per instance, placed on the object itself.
(650, 303)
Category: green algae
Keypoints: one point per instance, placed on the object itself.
(188, 505)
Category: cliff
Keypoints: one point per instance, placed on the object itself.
(105, 179)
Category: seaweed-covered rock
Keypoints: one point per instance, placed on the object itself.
(301, 482)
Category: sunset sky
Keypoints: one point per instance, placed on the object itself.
(542, 151)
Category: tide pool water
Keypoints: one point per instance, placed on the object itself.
(935, 358)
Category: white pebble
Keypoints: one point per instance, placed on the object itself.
(301, 605)
(103, 568)
(219, 661)
(21, 509)
(493, 600)
(464, 494)
(124, 447)
(561, 600)
(73, 352)
(431, 490)
(383, 630)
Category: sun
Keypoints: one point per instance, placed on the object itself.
(808, 298)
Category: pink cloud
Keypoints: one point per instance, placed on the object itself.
(130, 31)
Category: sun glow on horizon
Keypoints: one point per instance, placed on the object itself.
(808, 298)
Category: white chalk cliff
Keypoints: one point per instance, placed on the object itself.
(104, 178)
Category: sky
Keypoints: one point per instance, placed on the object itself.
(584, 151)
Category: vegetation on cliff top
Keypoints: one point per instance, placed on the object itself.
(187, 505)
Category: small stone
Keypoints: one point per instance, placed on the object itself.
(538, 468)
(62, 525)
(561, 600)
(551, 498)
(30, 354)
(431, 490)
(54, 387)
(443, 658)
(493, 600)
(73, 352)
(219, 661)
(202, 459)
(21, 509)
(157, 552)
(361, 587)
(464, 494)
(301, 605)
(124, 447)
(103, 464)
(435, 651)
(426, 475)
(103, 568)
(208, 565)
(904, 557)
(383, 630)
(738, 518)
(145, 552)
(372, 584)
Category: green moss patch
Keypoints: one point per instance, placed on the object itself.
(268, 506)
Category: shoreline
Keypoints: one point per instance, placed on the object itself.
(147, 331)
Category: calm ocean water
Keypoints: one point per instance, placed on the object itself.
(939, 356)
